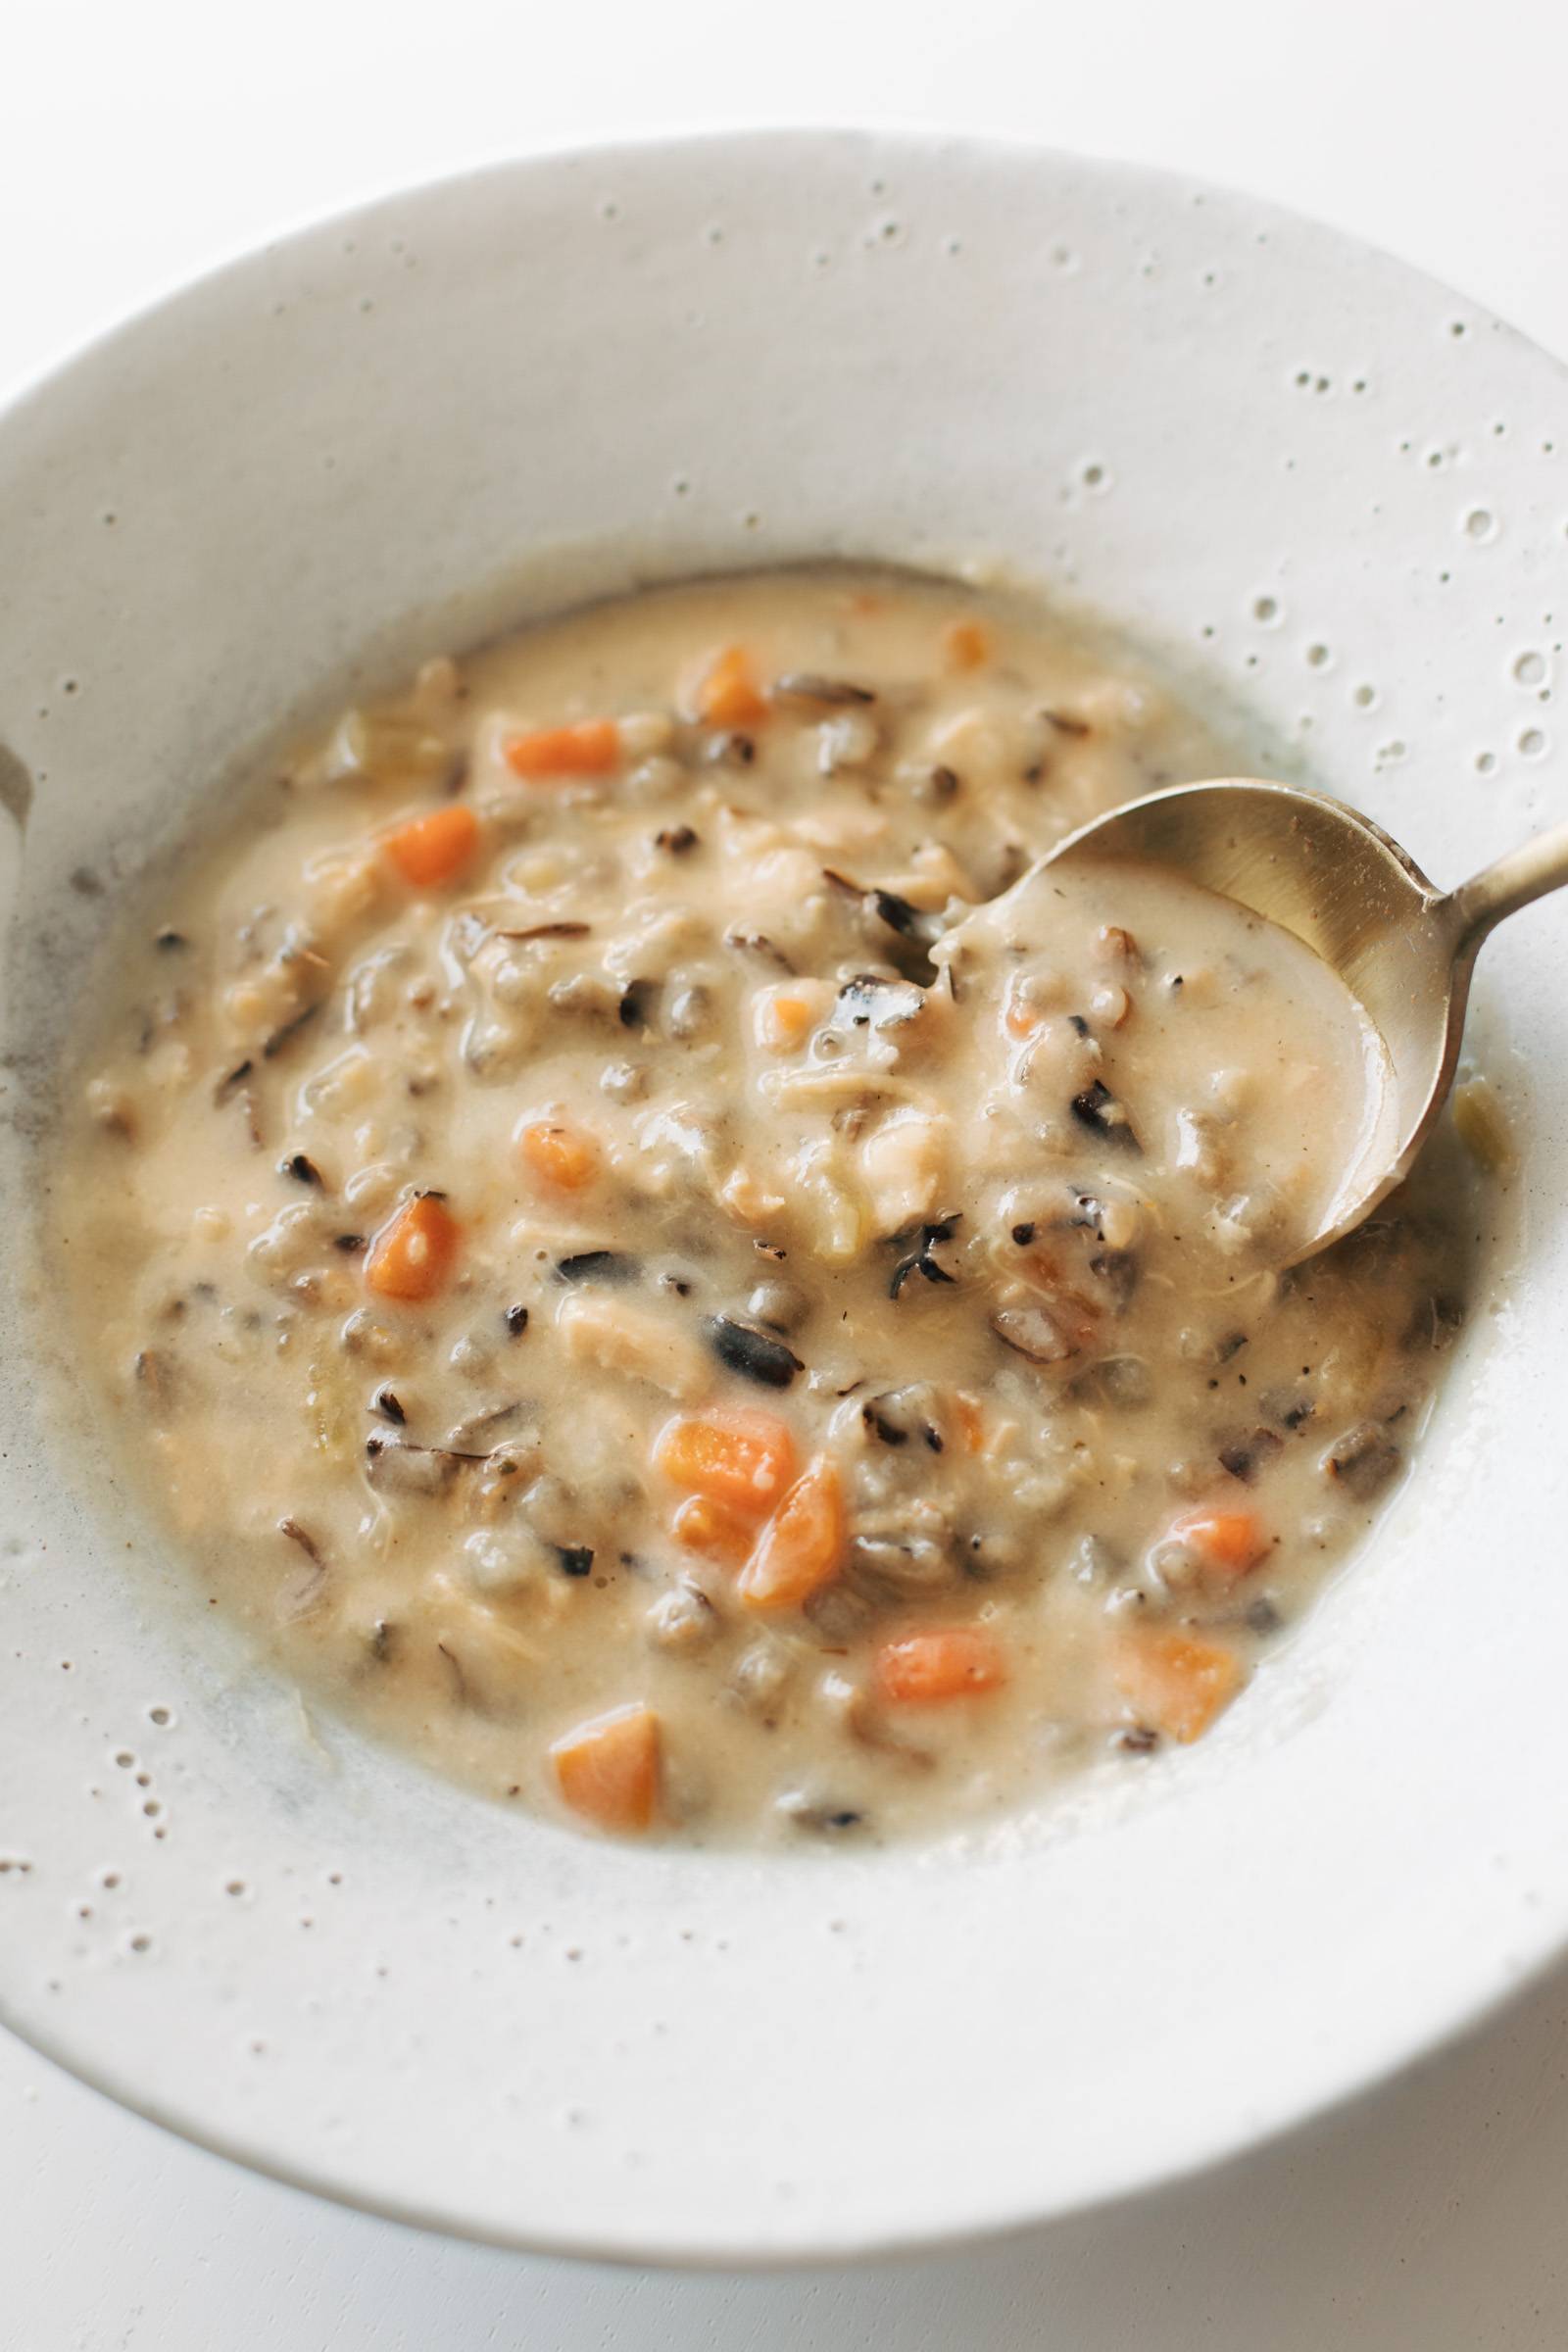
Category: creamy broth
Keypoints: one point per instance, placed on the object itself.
(646, 1262)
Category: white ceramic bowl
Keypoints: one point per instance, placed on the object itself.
(1300, 472)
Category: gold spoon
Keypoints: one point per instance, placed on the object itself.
(1404, 949)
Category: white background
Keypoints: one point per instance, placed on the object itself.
(141, 143)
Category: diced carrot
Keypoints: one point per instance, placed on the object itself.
(1230, 1542)
(563, 1157)
(966, 1412)
(737, 1457)
(729, 695)
(703, 1525)
(784, 1020)
(1176, 1682)
(802, 1546)
(430, 850)
(607, 1768)
(950, 1661)
(414, 1255)
(590, 747)
(966, 644)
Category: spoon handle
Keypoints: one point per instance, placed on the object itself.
(1524, 874)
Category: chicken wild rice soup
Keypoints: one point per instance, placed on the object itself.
(640, 1263)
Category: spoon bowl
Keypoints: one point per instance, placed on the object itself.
(1404, 949)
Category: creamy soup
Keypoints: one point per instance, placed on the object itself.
(651, 1257)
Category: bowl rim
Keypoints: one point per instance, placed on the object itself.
(1502, 1980)
(698, 2256)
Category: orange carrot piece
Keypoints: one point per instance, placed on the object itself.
(590, 747)
(1020, 1018)
(1177, 1683)
(607, 1768)
(413, 1257)
(430, 850)
(737, 1457)
(971, 1421)
(559, 1155)
(966, 644)
(950, 1661)
(729, 695)
(703, 1525)
(784, 1021)
(802, 1546)
(1230, 1542)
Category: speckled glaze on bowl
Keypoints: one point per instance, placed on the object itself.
(1298, 470)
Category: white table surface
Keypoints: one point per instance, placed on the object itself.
(138, 144)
